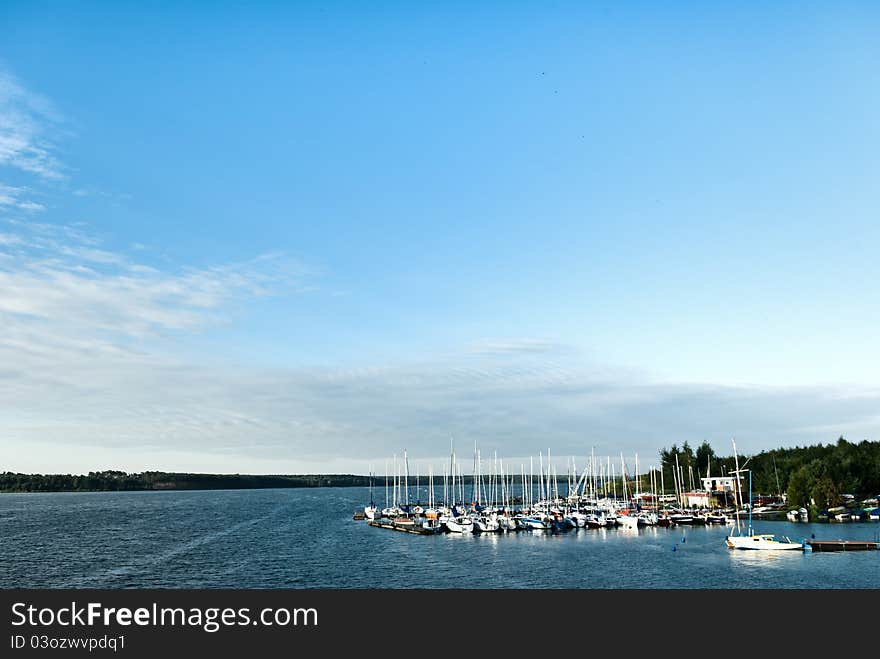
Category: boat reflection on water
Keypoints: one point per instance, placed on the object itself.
(764, 558)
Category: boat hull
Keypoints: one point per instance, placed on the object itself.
(761, 543)
(459, 526)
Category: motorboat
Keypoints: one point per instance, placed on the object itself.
(579, 520)
(799, 515)
(534, 523)
(459, 525)
(486, 524)
(628, 521)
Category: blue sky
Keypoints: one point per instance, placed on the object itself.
(342, 230)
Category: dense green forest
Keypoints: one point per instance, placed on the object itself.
(159, 480)
(820, 473)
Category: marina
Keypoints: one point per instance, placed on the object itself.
(497, 504)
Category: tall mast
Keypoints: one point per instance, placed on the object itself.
(406, 478)
(678, 481)
(778, 489)
(593, 473)
(452, 469)
(531, 473)
(737, 493)
(750, 502)
(501, 476)
(555, 485)
(608, 475)
(452, 461)
(460, 485)
(473, 475)
(541, 474)
(681, 479)
(638, 479)
(493, 494)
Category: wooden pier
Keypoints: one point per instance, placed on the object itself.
(398, 526)
(842, 545)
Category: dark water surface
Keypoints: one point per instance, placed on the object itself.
(305, 538)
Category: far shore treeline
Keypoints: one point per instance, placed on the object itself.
(813, 476)
(118, 481)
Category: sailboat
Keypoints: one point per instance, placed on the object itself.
(624, 518)
(457, 521)
(751, 540)
(371, 511)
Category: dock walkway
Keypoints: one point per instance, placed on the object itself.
(842, 545)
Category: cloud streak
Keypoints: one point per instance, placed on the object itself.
(57, 277)
(15, 197)
(26, 122)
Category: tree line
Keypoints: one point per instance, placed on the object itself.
(116, 481)
(816, 476)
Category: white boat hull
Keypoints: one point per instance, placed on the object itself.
(762, 542)
(460, 526)
(628, 522)
(534, 524)
(486, 526)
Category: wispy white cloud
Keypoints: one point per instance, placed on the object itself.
(16, 197)
(26, 123)
(60, 277)
(515, 346)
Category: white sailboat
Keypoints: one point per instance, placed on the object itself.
(751, 540)
(456, 523)
(624, 519)
(372, 511)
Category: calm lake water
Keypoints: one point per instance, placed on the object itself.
(305, 538)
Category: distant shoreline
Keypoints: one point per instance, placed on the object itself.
(118, 481)
(149, 481)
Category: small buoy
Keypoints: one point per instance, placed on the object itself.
(813, 536)
(683, 539)
(674, 548)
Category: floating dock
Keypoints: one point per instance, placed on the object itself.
(842, 545)
(397, 526)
